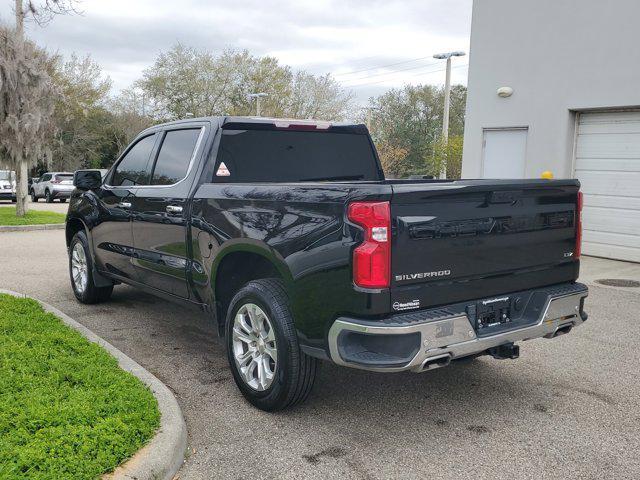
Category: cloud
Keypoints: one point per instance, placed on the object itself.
(324, 36)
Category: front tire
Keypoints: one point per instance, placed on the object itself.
(48, 197)
(34, 198)
(262, 348)
(81, 272)
(63, 200)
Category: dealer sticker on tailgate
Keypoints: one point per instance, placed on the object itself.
(398, 306)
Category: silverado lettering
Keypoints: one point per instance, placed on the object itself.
(414, 276)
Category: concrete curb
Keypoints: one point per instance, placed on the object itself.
(29, 228)
(163, 456)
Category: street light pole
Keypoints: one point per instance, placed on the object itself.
(257, 96)
(447, 102)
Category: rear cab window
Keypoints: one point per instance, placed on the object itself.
(273, 155)
(175, 156)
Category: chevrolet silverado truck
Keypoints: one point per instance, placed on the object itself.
(290, 239)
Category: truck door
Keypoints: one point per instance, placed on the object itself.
(160, 213)
(112, 236)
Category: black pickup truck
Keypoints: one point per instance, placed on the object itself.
(288, 236)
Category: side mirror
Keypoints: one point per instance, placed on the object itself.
(87, 179)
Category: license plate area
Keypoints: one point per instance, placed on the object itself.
(493, 312)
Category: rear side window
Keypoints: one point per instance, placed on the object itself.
(175, 156)
(133, 168)
(64, 177)
(294, 156)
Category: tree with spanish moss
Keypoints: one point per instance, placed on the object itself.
(27, 96)
(27, 92)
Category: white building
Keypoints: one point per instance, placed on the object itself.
(573, 70)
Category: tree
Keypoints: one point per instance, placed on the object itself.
(27, 92)
(188, 81)
(318, 97)
(451, 154)
(82, 121)
(392, 159)
(41, 12)
(129, 116)
(185, 81)
(411, 119)
(27, 96)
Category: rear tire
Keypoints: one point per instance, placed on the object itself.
(293, 372)
(81, 272)
(63, 200)
(48, 197)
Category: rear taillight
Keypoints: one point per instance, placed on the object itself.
(578, 249)
(372, 258)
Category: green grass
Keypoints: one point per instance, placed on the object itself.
(66, 409)
(33, 217)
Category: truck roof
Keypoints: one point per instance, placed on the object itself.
(277, 122)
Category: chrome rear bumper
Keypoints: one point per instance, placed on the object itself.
(454, 337)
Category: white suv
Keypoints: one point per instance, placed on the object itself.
(7, 185)
(52, 185)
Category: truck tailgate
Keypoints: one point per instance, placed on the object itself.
(467, 240)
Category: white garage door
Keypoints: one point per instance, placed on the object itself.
(608, 166)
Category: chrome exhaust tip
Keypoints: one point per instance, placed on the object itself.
(562, 330)
(436, 362)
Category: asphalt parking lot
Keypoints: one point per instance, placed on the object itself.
(568, 408)
(56, 206)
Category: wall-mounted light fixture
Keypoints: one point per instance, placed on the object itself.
(504, 92)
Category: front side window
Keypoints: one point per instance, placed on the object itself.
(175, 156)
(133, 169)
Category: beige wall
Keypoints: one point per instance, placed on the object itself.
(559, 56)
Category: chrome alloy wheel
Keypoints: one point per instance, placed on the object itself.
(254, 347)
(79, 269)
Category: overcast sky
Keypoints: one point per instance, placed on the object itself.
(348, 38)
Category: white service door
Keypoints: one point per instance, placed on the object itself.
(503, 153)
(608, 167)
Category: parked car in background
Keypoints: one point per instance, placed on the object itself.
(289, 235)
(52, 185)
(8, 185)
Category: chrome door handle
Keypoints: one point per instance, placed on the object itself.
(174, 209)
(124, 205)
